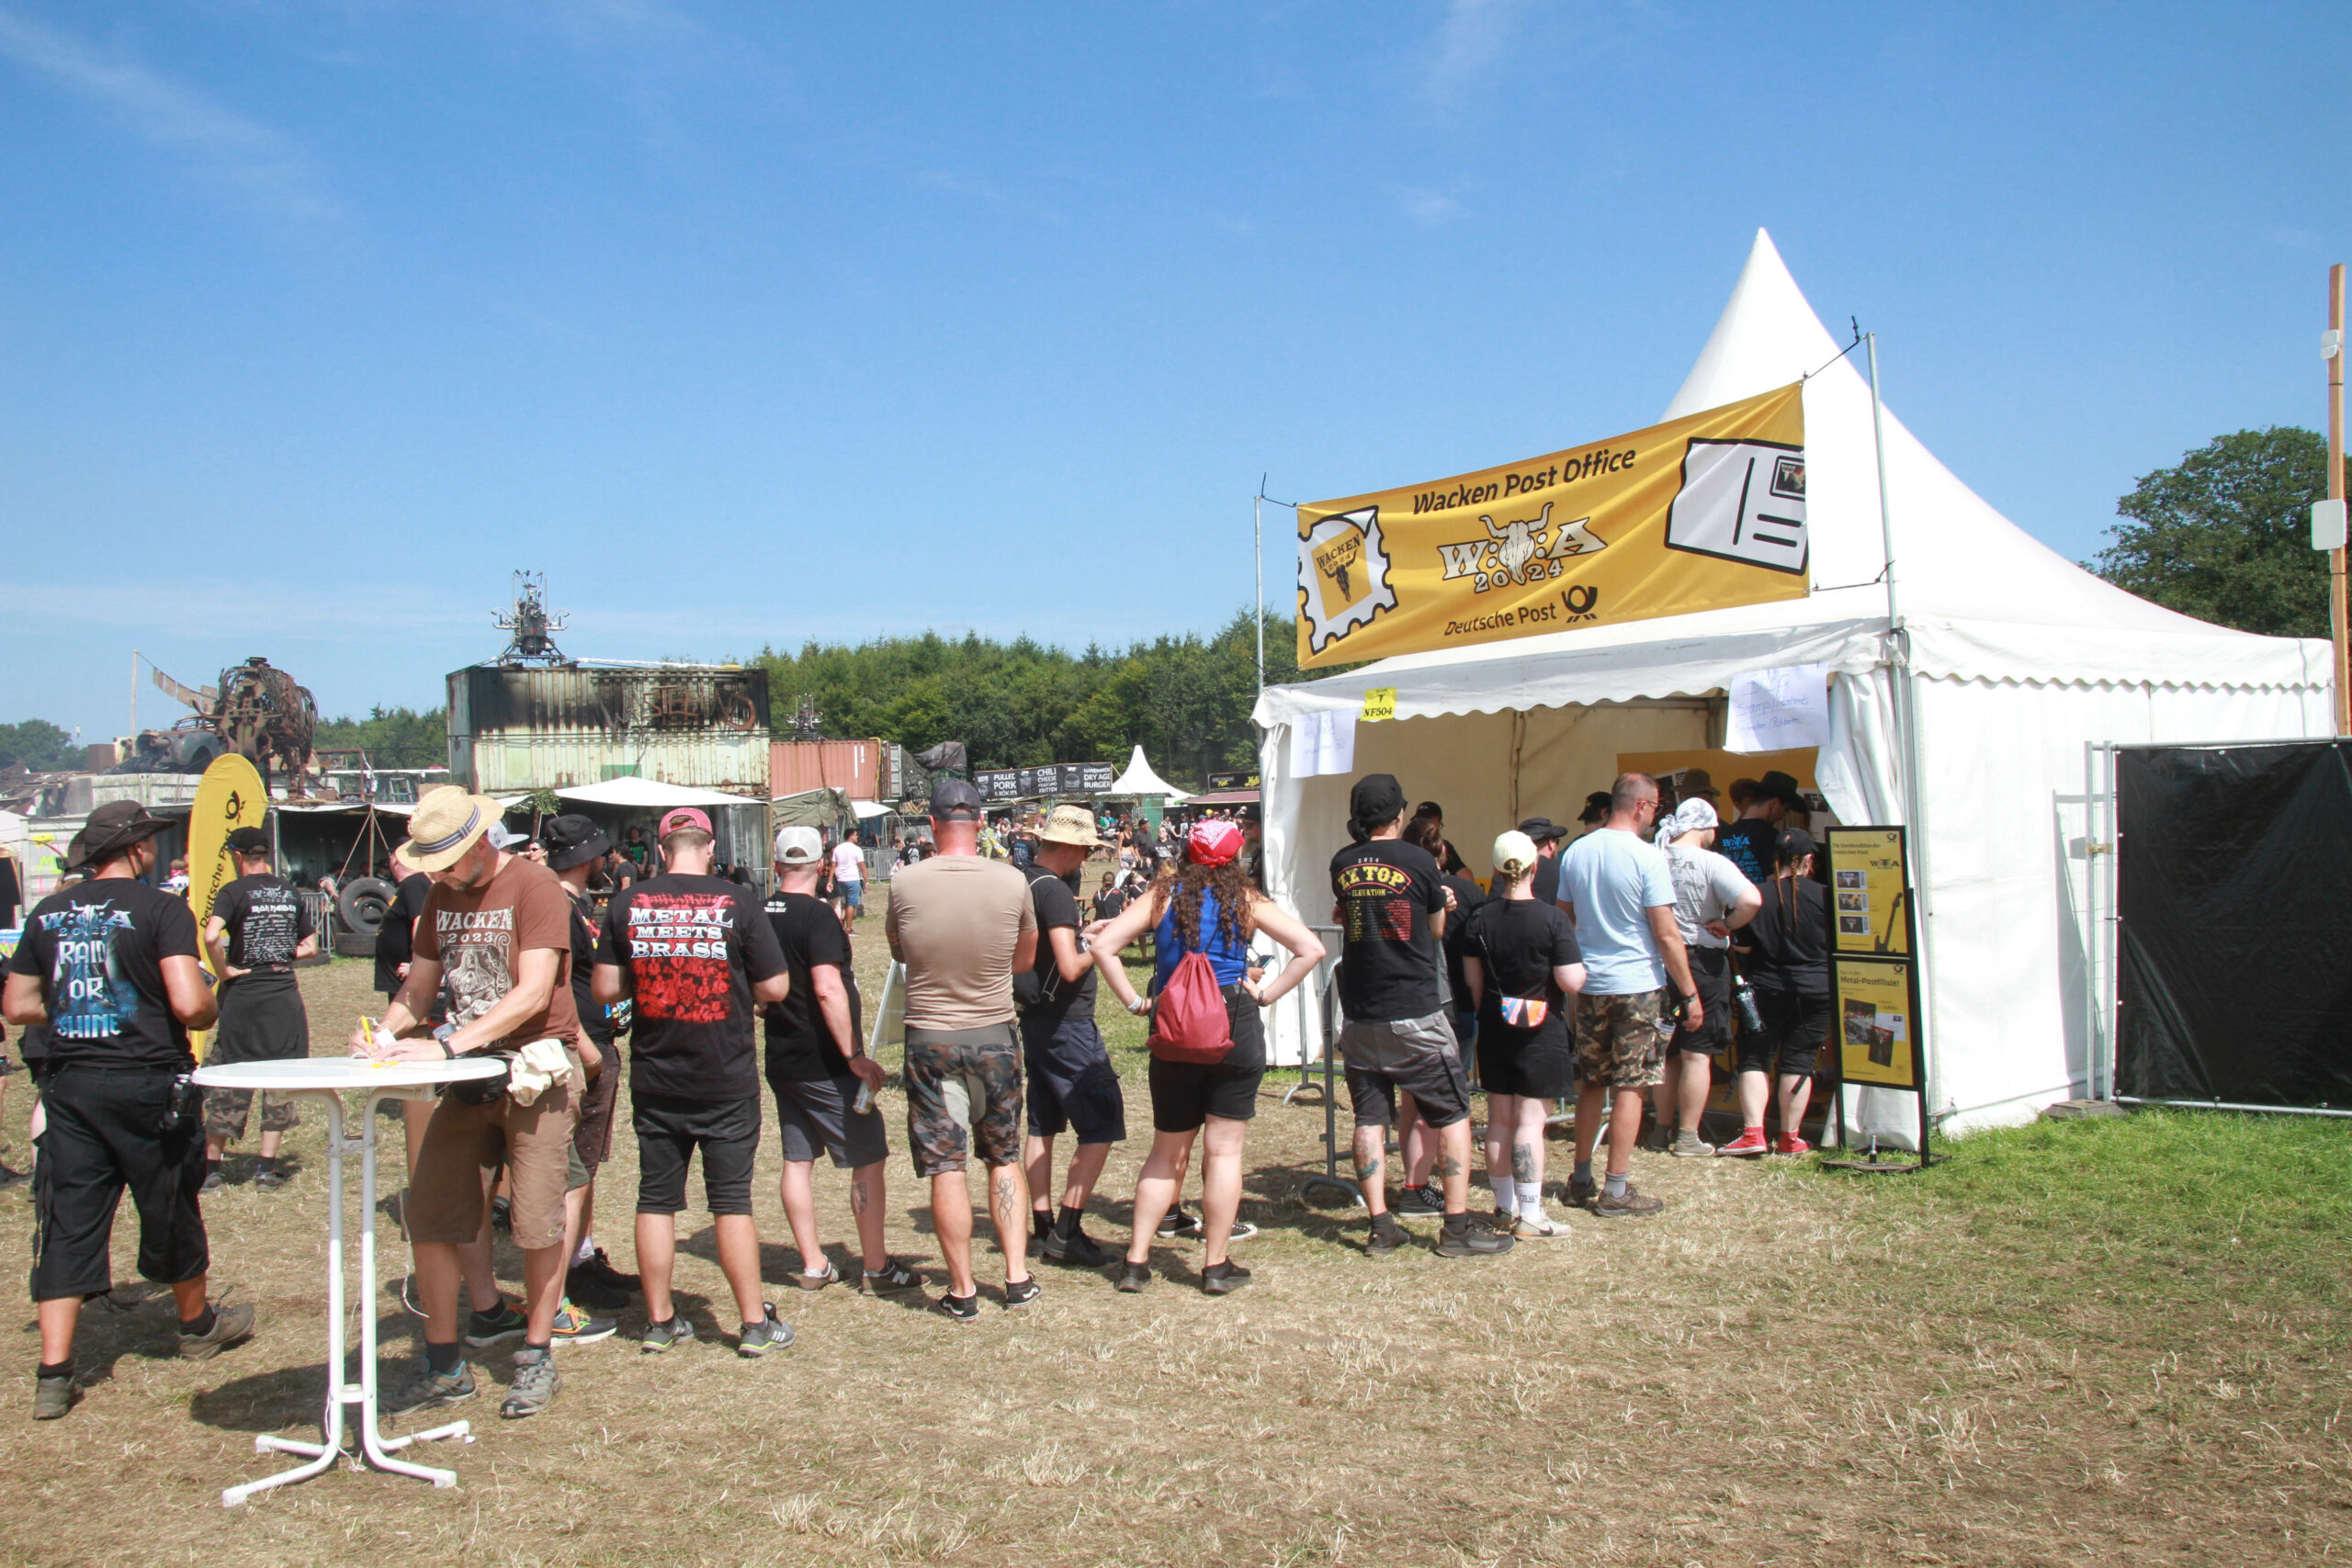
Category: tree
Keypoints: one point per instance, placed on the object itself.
(2226, 536)
(392, 738)
(39, 745)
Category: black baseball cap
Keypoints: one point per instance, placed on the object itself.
(572, 839)
(1377, 798)
(1597, 807)
(1542, 827)
(249, 841)
(951, 798)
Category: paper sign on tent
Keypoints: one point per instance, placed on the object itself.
(1779, 710)
(1323, 741)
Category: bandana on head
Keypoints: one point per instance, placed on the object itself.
(1688, 817)
(1212, 842)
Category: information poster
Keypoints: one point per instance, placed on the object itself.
(1869, 891)
(1876, 1011)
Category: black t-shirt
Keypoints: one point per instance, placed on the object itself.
(1789, 939)
(1747, 844)
(1110, 904)
(1547, 879)
(1467, 897)
(1518, 943)
(394, 939)
(1043, 993)
(1387, 889)
(99, 947)
(801, 1047)
(266, 923)
(691, 948)
(595, 1021)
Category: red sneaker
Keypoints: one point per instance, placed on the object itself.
(1787, 1144)
(1749, 1143)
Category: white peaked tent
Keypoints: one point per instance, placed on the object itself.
(1140, 780)
(2017, 658)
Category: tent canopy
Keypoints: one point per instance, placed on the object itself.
(811, 808)
(648, 795)
(1140, 780)
(2017, 658)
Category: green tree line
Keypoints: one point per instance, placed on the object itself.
(392, 738)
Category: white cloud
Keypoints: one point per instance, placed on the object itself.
(1474, 35)
(261, 166)
(1428, 207)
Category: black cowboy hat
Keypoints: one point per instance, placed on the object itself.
(114, 828)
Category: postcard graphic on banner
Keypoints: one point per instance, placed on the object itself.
(1698, 513)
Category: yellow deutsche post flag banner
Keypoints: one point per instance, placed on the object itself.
(1698, 513)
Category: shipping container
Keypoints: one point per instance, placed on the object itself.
(513, 730)
(853, 767)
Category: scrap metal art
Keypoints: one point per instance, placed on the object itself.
(534, 627)
(256, 711)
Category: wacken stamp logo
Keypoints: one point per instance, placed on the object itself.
(1343, 575)
(1521, 552)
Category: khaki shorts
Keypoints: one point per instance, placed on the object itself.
(1620, 1041)
(464, 1144)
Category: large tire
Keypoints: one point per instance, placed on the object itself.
(362, 904)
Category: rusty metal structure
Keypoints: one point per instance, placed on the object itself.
(533, 625)
(704, 725)
(257, 710)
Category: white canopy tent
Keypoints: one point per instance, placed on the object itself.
(2017, 659)
(646, 795)
(1140, 780)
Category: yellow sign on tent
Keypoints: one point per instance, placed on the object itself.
(1698, 513)
(231, 796)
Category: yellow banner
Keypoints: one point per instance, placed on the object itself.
(1698, 513)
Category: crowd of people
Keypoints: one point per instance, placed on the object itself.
(1604, 969)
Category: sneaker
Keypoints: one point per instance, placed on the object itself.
(573, 1326)
(1690, 1145)
(11, 1176)
(770, 1333)
(1655, 1141)
(1021, 1292)
(535, 1380)
(586, 1290)
(1078, 1250)
(272, 1180)
(1470, 1242)
(1422, 1200)
(1177, 1223)
(52, 1397)
(889, 1279)
(1788, 1144)
(1133, 1277)
(962, 1309)
(230, 1325)
(429, 1390)
(1242, 1231)
(659, 1336)
(808, 1281)
(1537, 1227)
(1224, 1278)
(212, 1180)
(1632, 1204)
(600, 1268)
(1385, 1239)
(1746, 1145)
(1580, 1193)
(495, 1326)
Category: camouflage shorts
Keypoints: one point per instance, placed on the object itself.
(1620, 1041)
(225, 1111)
(963, 1097)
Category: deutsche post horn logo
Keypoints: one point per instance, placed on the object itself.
(1343, 575)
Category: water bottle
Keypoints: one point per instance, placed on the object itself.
(864, 1100)
(1743, 995)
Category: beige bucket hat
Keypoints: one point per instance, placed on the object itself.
(1070, 825)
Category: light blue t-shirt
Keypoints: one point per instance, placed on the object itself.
(1612, 879)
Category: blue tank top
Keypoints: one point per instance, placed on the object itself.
(1227, 958)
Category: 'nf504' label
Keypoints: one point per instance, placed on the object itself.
(1702, 512)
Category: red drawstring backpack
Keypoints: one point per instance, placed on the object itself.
(1188, 1019)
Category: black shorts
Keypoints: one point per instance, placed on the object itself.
(668, 1133)
(1540, 1068)
(103, 1137)
(814, 1116)
(592, 1134)
(1071, 1081)
(1186, 1094)
(1711, 968)
(1416, 1055)
(1794, 1029)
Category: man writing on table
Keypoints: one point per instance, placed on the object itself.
(500, 928)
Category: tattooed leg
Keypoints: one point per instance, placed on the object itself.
(1372, 1163)
(1008, 1207)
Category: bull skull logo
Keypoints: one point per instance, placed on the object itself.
(1518, 543)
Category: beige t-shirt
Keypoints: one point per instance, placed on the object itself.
(955, 920)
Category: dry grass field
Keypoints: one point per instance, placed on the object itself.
(2118, 1341)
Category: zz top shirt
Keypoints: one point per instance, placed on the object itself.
(1387, 889)
(689, 950)
(266, 923)
(98, 947)
(801, 1047)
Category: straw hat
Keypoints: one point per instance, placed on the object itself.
(1070, 825)
(445, 825)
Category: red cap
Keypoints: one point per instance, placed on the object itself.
(680, 819)
(1213, 841)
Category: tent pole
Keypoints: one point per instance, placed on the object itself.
(1258, 554)
(1907, 723)
(2339, 623)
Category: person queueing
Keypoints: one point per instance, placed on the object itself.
(1207, 908)
(574, 847)
(693, 954)
(258, 928)
(963, 925)
(1397, 1037)
(107, 973)
(1072, 1085)
(1747, 842)
(1712, 898)
(1786, 958)
(1521, 965)
(498, 926)
(817, 1067)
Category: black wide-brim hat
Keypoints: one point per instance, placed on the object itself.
(572, 841)
(114, 828)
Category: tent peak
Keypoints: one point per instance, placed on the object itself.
(1767, 337)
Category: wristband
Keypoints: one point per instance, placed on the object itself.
(447, 1054)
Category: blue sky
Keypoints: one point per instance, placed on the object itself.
(761, 322)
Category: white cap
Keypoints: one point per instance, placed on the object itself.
(1514, 852)
(799, 846)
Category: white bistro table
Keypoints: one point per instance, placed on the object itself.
(328, 1079)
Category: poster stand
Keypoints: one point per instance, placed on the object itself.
(1874, 982)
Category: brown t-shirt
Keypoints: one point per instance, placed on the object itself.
(477, 936)
(955, 920)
